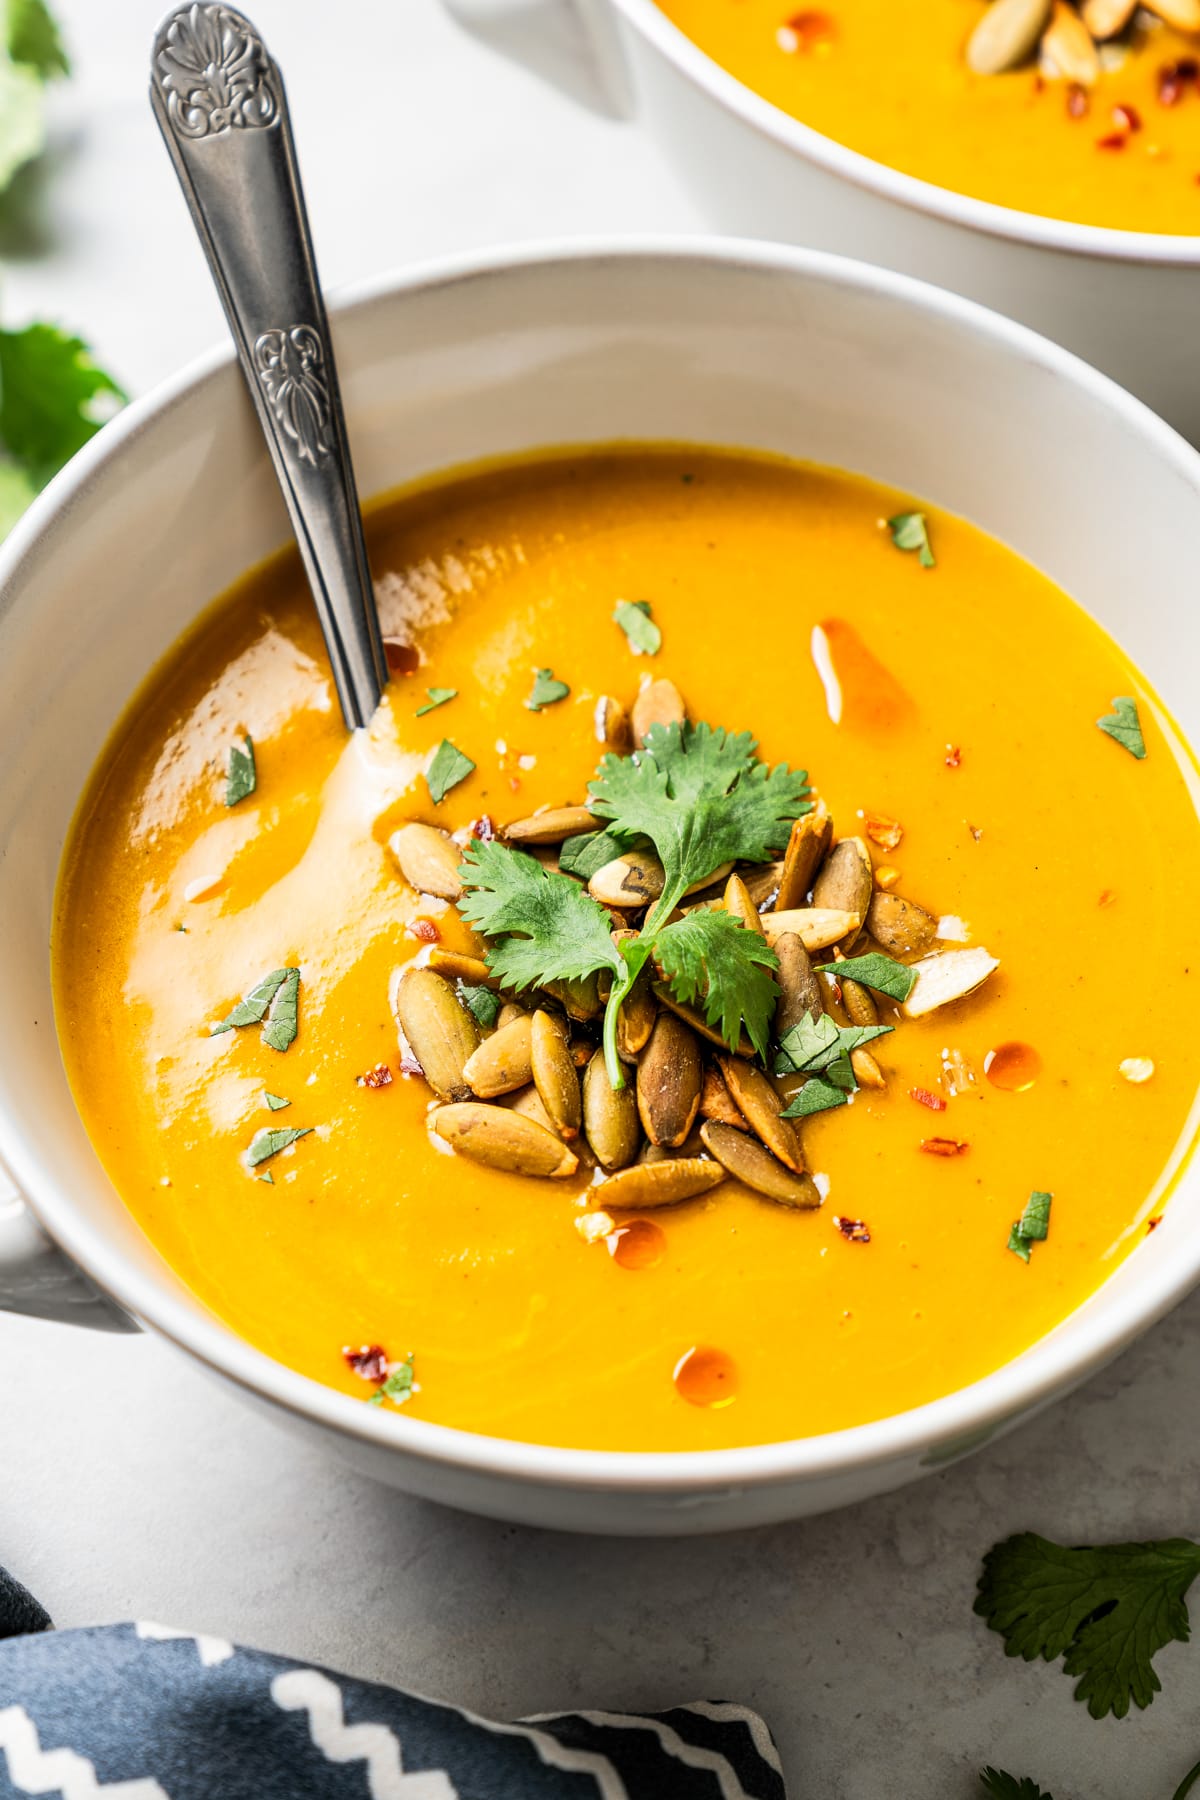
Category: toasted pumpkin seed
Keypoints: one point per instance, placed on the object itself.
(747, 1161)
(716, 1102)
(663, 1182)
(858, 1001)
(807, 848)
(551, 826)
(761, 1106)
(669, 1078)
(1068, 48)
(443, 1035)
(846, 880)
(658, 703)
(509, 1013)
(610, 1117)
(738, 902)
(799, 986)
(1106, 18)
(503, 1061)
(867, 1071)
(899, 926)
(612, 725)
(528, 1102)
(695, 1019)
(635, 1021)
(428, 860)
(456, 967)
(632, 880)
(1184, 15)
(554, 1074)
(950, 976)
(503, 1139)
(579, 997)
(1007, 35)
(816, 926)
(762, 883)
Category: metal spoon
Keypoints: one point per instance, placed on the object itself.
(220, 104)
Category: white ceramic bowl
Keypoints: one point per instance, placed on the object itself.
(720, 343)
(1127, 301)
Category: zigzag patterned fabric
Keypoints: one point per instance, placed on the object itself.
(144, 1712)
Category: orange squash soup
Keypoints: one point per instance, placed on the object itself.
(904, 1042)
(1086, 112)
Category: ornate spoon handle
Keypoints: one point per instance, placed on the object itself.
(220, 104)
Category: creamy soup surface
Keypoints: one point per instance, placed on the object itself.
(1120, 149)
(969, 694)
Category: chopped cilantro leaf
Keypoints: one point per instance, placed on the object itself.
(911, 532)
(253, 1009)
(1106, 1610)
(546, 690)
(544, 927)
(482, 1004)
(397, 1385)
(814, 1045)
(267, 1177)
(1001, 1786)
(584, 854)
(633, 616)
(33, 38)
(877, 971)
(284, 1017)
(448, 767)
(711, 960)
(266, 1143)
(242, 777)
(1124, 725)
(437, 697)
(276, 1102)
(1033, 1226)
(817, 1095)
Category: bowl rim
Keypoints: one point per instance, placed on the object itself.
(936, 1431)
(909, 191)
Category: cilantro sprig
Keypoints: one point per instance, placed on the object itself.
(1105, 1609)
(700, 797)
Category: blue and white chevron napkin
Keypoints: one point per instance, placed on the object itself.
(143, 1712)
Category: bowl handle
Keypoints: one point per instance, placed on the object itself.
(572, 44)
(37, 1279)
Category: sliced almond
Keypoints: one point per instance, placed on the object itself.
(846, 881)
(660, 1183)
(443, 1035)
(669, 1078)
(630, 881)
(503, 1061)
(899, 926)
(658, 703)
(816, 926)
(696, 1021)
(799, 985)
(950, 976)
(760, 1104)
(741, 906)
(551, 826)
(746, 1160)
(610, 1116)
(503, 1139)
(428, 860)
(807, 848)
(1067, 47)
(717, 1103)
(1007, 35)
(554, 1074)
(1106, 18)
(612, 725)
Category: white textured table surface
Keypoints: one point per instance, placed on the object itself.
(129, 1486)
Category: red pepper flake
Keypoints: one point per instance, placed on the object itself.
(409, 1064)
(1078, 103)
(923, 1097)
(402, 658)
(1116, 140)
(805, 32)
(953, 756)
(974, 830)
(853, 1229)
(1107, 897)
(483, 828)
(369, 1360)
(884, 831)
(1154, 1223)
(378, 1077)
(514, 783)
(1127, 118)
(944, 1147)
(1174, 77)
(425, 931)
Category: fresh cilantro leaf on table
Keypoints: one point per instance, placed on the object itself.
(49, 394)
(545, 927)
(1124, 726)
(711, 961)
(1105, 1609)
(33, 38)
(1188, 1783)
(1002, 1786)
(31, 54)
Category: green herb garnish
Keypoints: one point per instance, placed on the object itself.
(266, 1143)
(547, 690)
(33, 38)
(911, 532)
(1124, 726)
(437, 697)
(276, 999)
(397, 1387)
(633, 616)
(584, 854)
(876, 971)
(276, 1102)
(1001, 1786)
(242, 776)
(482, 1004)
(701, 798)
(448, 768)
(1033, 1226)
(820, 1049)
(267, 1177)
(1106, 1610)
(817, 1095)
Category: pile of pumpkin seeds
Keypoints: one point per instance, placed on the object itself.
(1073, 43)
(520, 1083)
